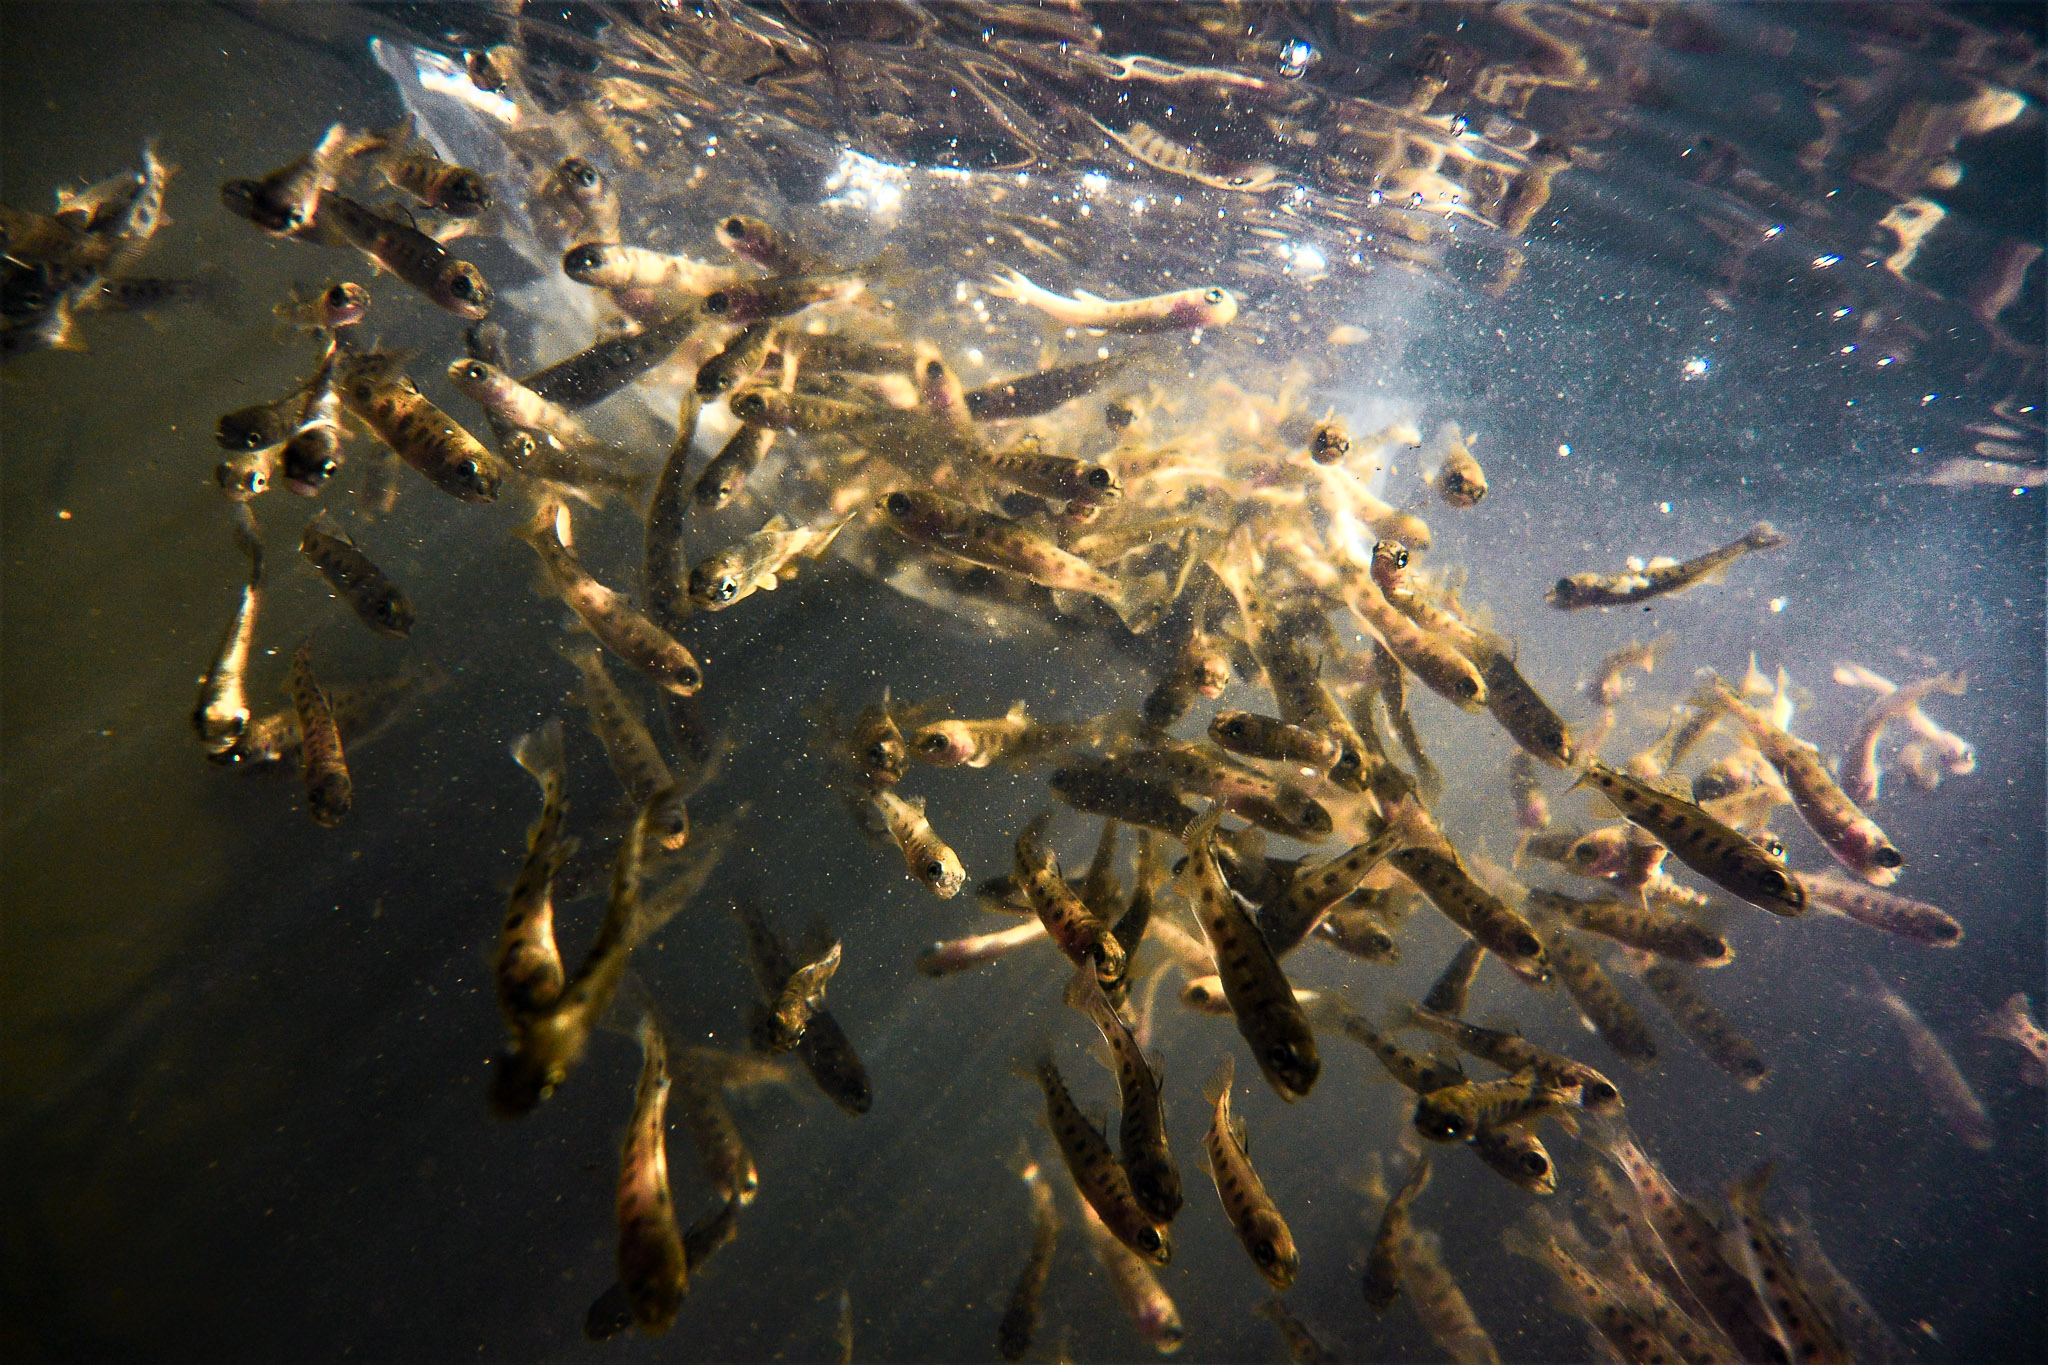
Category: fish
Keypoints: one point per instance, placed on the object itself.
(1439, 1303)
(2013, 1022)
(781, 296)
(1722, 855)
(1613, 1016)
(725, 477)
(1078, 483)
(221, 715)
(1947, 1089)
(288, 201)
(1096, 1173)
(547, 1043)
(1358, 932)
(1033, 395)
(1079, 931)
(1180, 310)
(576, 202)
(1145, 1301)
(1901, 916)
(1024, 1311)
(1694, 1245)
(1587, 1295)
(1302, 1347)
(1511, 1052)
(1709, 1029)
(663, 559)
(805, 412)
(1860, 771)
(339, 305)
(1459, 480)
(1519, 1157)
(1419, 1072)
(1203, 772)
(1316, 888)
(932, 863)
(1198, 668)
(948, 956)
(449, 283)
(1639, 926)
(513, 404)
(1610, 681)
(1013, 737)
(1330, 442)
(1255, 736)
(1141, 1131)
(407, 161)
(603, 368)
(1441, 668)
(259, 426)
(821, 1044)
(635, 759)
(1954, 755)
(1268, 1017)
(1096, 788)
(759, 562)
(763, 244)
(1660, 579)
(613, 266)
(782, 1025)
(312, 453)
(1442, 877)
(654, 1270)
(330, 793)
(701, 1075)
(1799, 1320)
(616, 624)
(1383, 1263)
(1252, 1213)
(377, 601)
(737, 362)
(1522, 712)
(419, 433)
(1204, 995)
(1853, 837)
(1839, 1301)
(1457, 1113)
(527, 970)
(1452, 990)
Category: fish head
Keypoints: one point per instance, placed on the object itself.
(941, 872)
(520, 1082)
(464, 192)
(344, 304)
(476, 479)
(1329, 443)
(585, 264)
(747, 237)
(714, 585)
(1272, 1248)
(1440, 1120)
(1153, 1244)
(580, 180)
(243, 479)
(462, 291)
(1291, 1065)
(944, 743)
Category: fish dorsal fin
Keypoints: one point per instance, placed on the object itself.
(776, 524)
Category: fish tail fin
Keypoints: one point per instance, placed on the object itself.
(1008, 283)
(1142, 603)
(2009, 1020)
(541, 753)
(817, 548)
(1216, 1090)
(1534, 1243)
(1764, 536)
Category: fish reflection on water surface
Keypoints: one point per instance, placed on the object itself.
(1140, 475)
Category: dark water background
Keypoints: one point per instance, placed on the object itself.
(241, 1087)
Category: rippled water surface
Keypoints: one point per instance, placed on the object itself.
(1672, 270)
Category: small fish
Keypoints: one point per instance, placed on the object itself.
(419, 433)
(1419, 1072)
(1709, 1029)
(329, 791)
(514, 404)
(948, 956)
(1079, 931)
(1180, 310)
(935, 865)
(1519, 1157)
(1022, 1314)
(629, 748)
(1522, 712)
(1315, 888)
(1442, 668)
(1032, 395)
(286, 202)
(1358, 932)
(663, 559)
(737, 362)
(1452, 990)
(453, 285)
(1853, 837)
(1459, 480)
(1722, 855)
(312, 454)
(782, 1025)
(1095, 1170)
(377, 601)
(1840, 1302)
(1457, 1113)
(701, 1075)
(1383, 1263)
(780, 296)
(752, 239)
(1440, 876)
(337, 306)
(1439, 1303)
(725, 478)
(1268, 1017)
(821, 1044)
(1079, 483)
(1302, 1347)
(876, 746)
(221, 715)
(1096, 788)
(1204, 995)
(1256, 736)
(1588, 1296)
(1620, 1025)
(1800, 1322)
(601, 369)
(1330, 442)
(1198, 668)
(759, 562)
(1141, 1131)
(1203, 772)
(528, 967)
(1638, 585)
(407, 161)
(1610, 682)
(1260, 1228)
(1150, 1308)
(654, 1270)
(2014, 1023)
(1639, 926)
(1013, 736)
(1511, 1052)
(1860, 771)
(1953, 754)
(618, 626)
(259, 426)
(1909, 919)
(1954, 1099)
(615, 267)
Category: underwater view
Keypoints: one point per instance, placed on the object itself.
(1037, 681)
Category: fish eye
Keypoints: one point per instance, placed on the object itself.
(934, 743)
(1773, 881)
(1467, 688)
(1528, 945)
(1754, 1066)
(934, 369)
(1148, 1239)
(583, 259)
(1214, 296)
(934, 870)
(338, 297)
(1264, 1253)
(469, 471)
(1563, 588)
(1887, 856)
(580, 172)
(462, 287)
(718, 301)
(1281, 1056)
(1098, 478)
(724, 590)
(898, 504)
(735, 226)
(1533, 1163)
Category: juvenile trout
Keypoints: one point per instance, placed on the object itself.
(377, 601)
(1638, 585)
(1725, 857)
(617, 624)
(1260, 1228)
(1095, 1170)
(329, 792)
